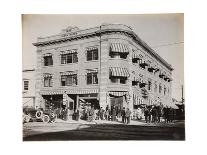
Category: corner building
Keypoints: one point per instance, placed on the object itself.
(105, 65)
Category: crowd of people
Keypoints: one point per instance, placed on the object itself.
(150, 114)
(153, 114)
(108, 114)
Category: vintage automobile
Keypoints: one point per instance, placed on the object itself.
(35, 115)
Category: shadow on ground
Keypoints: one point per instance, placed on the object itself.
(111, 132)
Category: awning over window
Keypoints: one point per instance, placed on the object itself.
(118, 93)
(92, 70)
(117, 71)
(91, 48)
(46, 75)
(68, 73)
(120, 48)
(47, 54)
(68, 51)
(69, 91)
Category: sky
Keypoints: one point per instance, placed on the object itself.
(163, 32)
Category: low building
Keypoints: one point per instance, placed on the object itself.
(105, 65)
(28, 88)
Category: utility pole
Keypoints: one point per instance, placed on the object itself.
(182, 99)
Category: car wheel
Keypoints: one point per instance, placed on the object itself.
(46, 119)
(39, 114)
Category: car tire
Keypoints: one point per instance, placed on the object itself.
(39, 114)
(46, 119)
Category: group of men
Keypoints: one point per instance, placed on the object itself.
(109, 114)
(154, 114)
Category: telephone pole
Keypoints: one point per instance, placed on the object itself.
(182, 99)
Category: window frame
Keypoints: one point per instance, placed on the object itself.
(94, 55)
(27, 81)
(64, 58)
(93, 79)
(49, 80)
(47, 62)
(70, 80)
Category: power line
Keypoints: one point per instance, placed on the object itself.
(170, 44)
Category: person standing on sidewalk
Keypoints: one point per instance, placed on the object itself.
(146, 114)
(114, 114)
(128, 114)
(101, 113)
(107, 114)
(123, 115)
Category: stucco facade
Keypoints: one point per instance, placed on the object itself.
(109, 38)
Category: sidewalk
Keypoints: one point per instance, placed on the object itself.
(84, 122)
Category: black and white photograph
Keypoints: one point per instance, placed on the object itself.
(103, 77)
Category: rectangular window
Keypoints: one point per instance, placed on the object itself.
(95, 78)
(92, 54)
(155, 89)
(95, 54)
(92, 78)
(123, 80)
(118, 55)
(164, 90)
(48, 61)
(114, 80)
(75, 57)
(89, 55)
(48, 82)
(149, 84)
(63, 59)
(26, 85)
(160, 88)
(63, 80)
(89, 78)
(68, 80)
(69, 58)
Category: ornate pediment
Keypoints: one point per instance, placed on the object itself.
(70, 30)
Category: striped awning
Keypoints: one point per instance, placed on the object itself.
(68, 51)
(68, 73)
(92, 70)
(91, 48)
(120, 48)
(70, 91)
(47, 54)
(118, 93)
(45, 75)
(117, 71)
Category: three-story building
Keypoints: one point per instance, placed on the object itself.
(105, 65)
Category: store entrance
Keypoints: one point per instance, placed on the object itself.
(93, 102)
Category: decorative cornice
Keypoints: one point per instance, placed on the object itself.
(99, 31)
